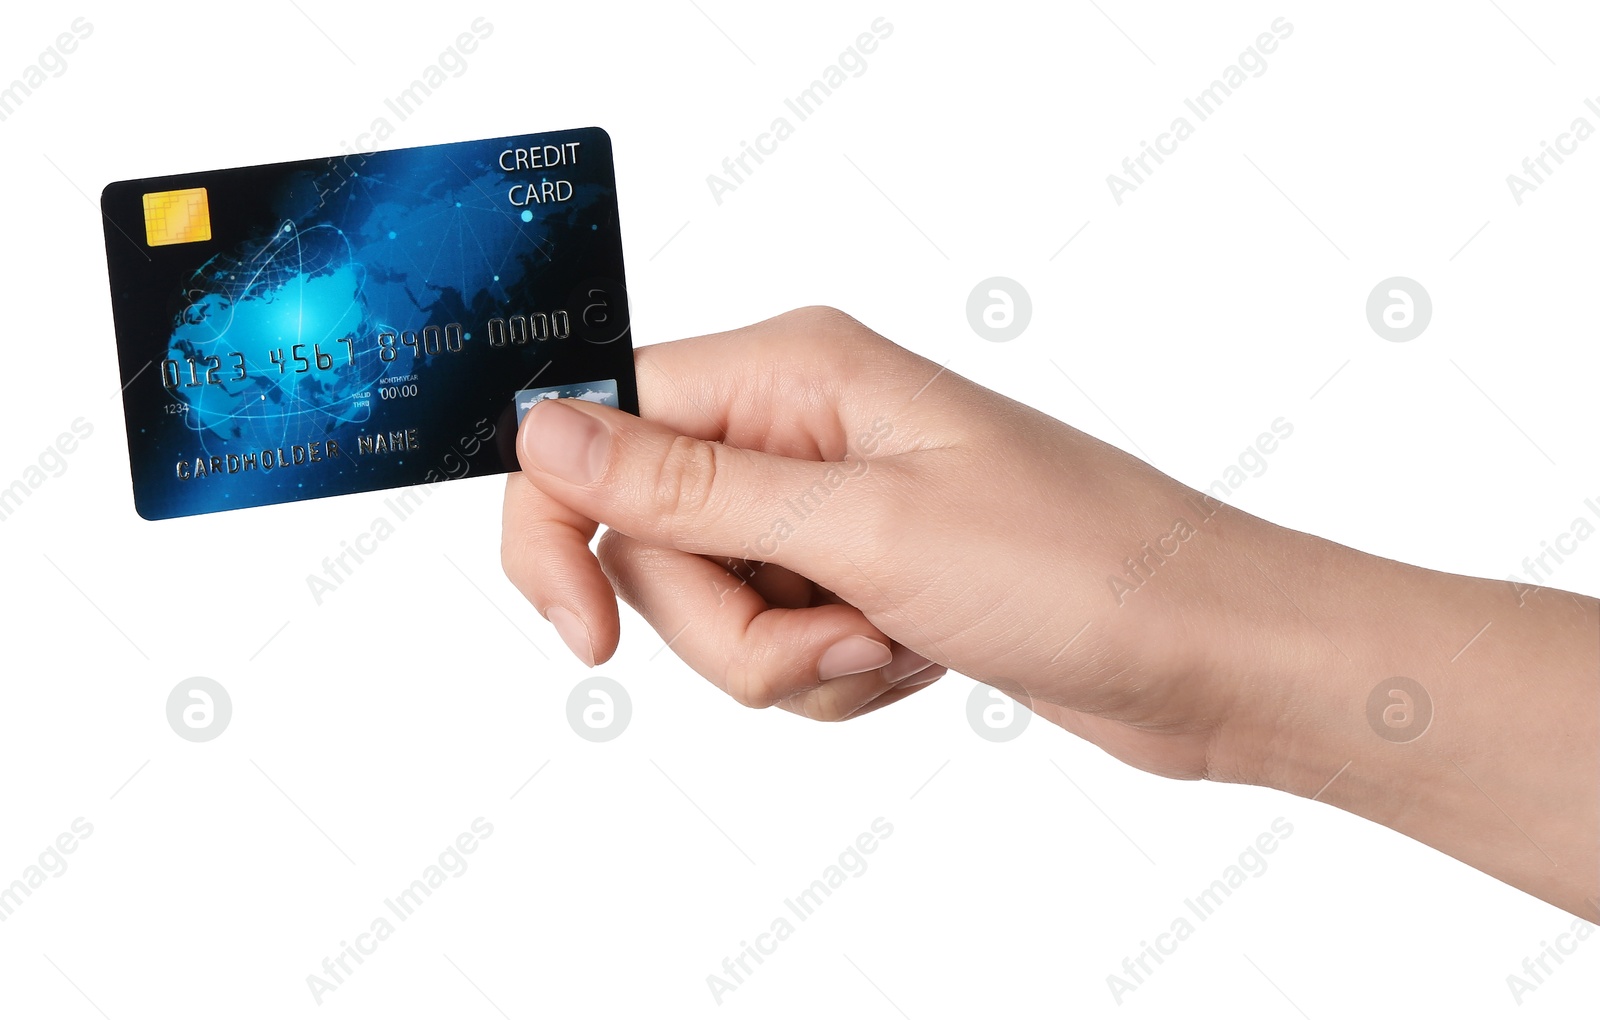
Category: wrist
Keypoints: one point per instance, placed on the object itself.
(1449, 708)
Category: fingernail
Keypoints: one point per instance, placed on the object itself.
(854, 654)
(573, 632)
(565, 442)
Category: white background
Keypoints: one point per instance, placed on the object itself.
(1227, 291)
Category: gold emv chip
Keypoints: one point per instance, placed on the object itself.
(176, 217)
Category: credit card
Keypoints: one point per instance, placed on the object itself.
(364, 321)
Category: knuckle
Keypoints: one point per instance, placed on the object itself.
(751, 691)
(835, 701)
(847, 345)
(799, 704)
(839, 345)
(826, 319)
(753, 683)
(828, 326)
(685, 483)
(825, 706)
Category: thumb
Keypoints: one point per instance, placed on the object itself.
(680, 492)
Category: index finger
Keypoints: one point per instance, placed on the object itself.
(780, 386)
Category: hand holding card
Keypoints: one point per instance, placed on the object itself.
(813, 517)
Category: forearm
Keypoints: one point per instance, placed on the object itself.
(1493, 758)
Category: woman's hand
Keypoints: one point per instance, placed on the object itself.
(816, 518)
(820, 519)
